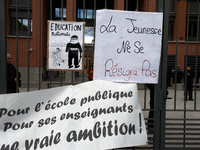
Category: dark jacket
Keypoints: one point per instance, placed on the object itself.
(11, 75)
(190, 76)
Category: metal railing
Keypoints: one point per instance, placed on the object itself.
(176, 121)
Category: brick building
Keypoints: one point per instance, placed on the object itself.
(27, 37)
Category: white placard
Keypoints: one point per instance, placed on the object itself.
(65, 45)
(127, 46)
(94, 115)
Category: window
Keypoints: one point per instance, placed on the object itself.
(89, 14)
(172, 16)
(59, 10)
(20, 24)
(89, 35)
(192, 30)
(171, 26)
(130, 5)
(193, 21)
(89, 8)
(171, 5)
(171, 59)
(22, 27)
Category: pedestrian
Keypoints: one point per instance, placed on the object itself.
(178, 74)
(150, 122)
(189, 82)
(151, 111)
(198, 75)
(90, 73)
(12, 76)
(169, 75)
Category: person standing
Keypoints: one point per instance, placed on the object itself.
(151, 111)
(11, 76)
(169, 75)
(179, 75)
(90, 73)
(189, 82)
(151, 117)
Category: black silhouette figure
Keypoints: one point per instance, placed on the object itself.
(74, 52)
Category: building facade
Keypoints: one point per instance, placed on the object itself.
(27, 29)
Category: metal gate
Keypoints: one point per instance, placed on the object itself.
(175, 121)
(181, 118)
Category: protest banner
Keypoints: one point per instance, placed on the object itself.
(127, 46)
(92, 115)
(65, 45)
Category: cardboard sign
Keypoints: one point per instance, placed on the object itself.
(93, 115)
(65, 45)
(127, 46)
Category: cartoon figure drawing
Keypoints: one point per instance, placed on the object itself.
(56, 55)
(74, 51)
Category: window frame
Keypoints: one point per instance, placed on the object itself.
(193, 25)
(23, 14)
(193, 21)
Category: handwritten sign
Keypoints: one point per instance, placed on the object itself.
(96, 114)
(65, 45)
(127, 46)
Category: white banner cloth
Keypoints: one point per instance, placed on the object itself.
(92, 115)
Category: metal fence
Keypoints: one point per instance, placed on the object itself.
(176, 121)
